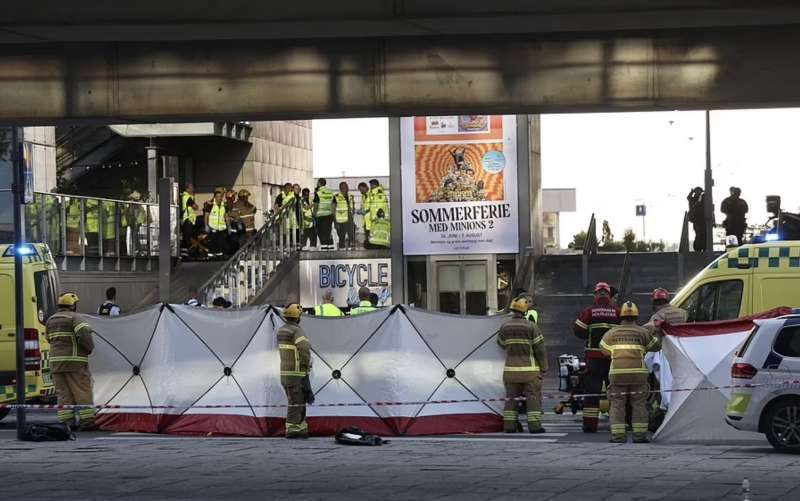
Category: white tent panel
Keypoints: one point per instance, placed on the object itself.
(133, 393)
(453, 390)
(130, 334)
(337, 392)
(178, 368)
(395, 365)
(453, 337)
(258, 369)
(226, 332)
(706, 352)
(482, 372)
(320, 372)
(336, 339)
(225, 392)
(110, 369)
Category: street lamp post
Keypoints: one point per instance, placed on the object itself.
(18, 191)
(708, 199)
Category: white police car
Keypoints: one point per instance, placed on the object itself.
(769, 360)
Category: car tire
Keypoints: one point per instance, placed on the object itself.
(782, 425)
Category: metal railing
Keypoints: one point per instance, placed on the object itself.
(75, 226)
(245, 275)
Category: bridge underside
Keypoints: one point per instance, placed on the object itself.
(261, 79)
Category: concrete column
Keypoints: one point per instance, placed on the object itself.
(535, 167)
(164, 241)
(523, 183)
(396, 211)
(6, 180)
(152, 171)
(708, 197)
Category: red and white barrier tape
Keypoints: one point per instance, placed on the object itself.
(788, 382)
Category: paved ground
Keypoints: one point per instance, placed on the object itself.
(563, 464)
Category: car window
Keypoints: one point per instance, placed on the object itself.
(715, 301)
(788, 342)
(45, 294)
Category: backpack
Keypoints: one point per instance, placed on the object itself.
(48, 433)
(355, 436)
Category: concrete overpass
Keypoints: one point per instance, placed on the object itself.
(150, 60)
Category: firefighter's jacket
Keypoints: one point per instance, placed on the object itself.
(594, 322)
(669, 314)
(627, 344)
(70, 341)
(526, 356)
(295, 350)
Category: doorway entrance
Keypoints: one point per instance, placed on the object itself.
(463, 287)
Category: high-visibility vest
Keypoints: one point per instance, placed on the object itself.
(363, 307)
(378, 200)
(533, 316)
(380, 233)
(327, 310)
(365, 209)
(92, 216)
(290, 214)
(308, 215)
(188, 212)
(325, 206)
(74, 214)
(343, 206)
(216, 218)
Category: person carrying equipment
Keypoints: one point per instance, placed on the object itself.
(327, 308)
(626, 345)
(364, 304)
(295, 353)
(71, 344)
(526, 360)
(591, 325)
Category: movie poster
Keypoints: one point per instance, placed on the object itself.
(459, 184)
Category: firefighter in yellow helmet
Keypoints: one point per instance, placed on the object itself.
(626, 345)
(526, 360)
(295, 351)
(71, 343)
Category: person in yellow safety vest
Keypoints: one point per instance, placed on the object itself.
(363, 188)
(285, 202)
(381, 233)
(188, 218)
(323, 214)
(109, 213)
(217, 226)
(344, 208)
(295, 352)
(92, 228)
(377, 199)
(626, 345)
(71, 343)
(136, 219)
(526, 360)
(309, 237)
(364, 303)
(327, 308)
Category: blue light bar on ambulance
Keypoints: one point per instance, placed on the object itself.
(24, 250)
(771, 237)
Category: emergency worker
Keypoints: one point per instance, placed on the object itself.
(591, 325)
(92, 226)
(323, 214)
(247, 211)
(364, 304)
(526, 360)
(188, 217)
(217, 225)
(73, 223)
(626, 345)
(109, 213)
(343, 210)
(110, 308)
(377, 199)
(71, 344)
(295, 352)
(380, 234)
(665, 312)
(327, 308)
(309, 237)
(363, 188)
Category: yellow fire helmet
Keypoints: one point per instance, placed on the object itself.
(629, 310)
(293, 311)
(243, 193)
(519, 304)
(68, 299)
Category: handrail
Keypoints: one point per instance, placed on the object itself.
(244, 275)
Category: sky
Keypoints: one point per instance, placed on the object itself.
(616, 161)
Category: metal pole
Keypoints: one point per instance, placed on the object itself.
(708, 199)
(19, 238)
(164, 238)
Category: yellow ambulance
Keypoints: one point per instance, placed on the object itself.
(743, 281)
(40, 299)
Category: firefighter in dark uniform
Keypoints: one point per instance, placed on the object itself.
(71, 344)
(591, 325)
(295, 351)
(526, 360)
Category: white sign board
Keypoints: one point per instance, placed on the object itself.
(459, 184)
(344, 277)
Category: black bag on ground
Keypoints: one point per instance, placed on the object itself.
(48, 433)
(355, 436)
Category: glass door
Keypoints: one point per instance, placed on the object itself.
(463, 287)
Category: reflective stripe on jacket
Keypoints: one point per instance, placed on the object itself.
(70, 341)
(325, 205)
(295, 352)
(381, 232)
(344, 206)
(188, 212)
(594, 322)
(363, 307)
(327, 310)
(308, 215)
(216, 218)
(378, 200)
(627, 344)
(525, 351)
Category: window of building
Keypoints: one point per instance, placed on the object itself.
(417, 281)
